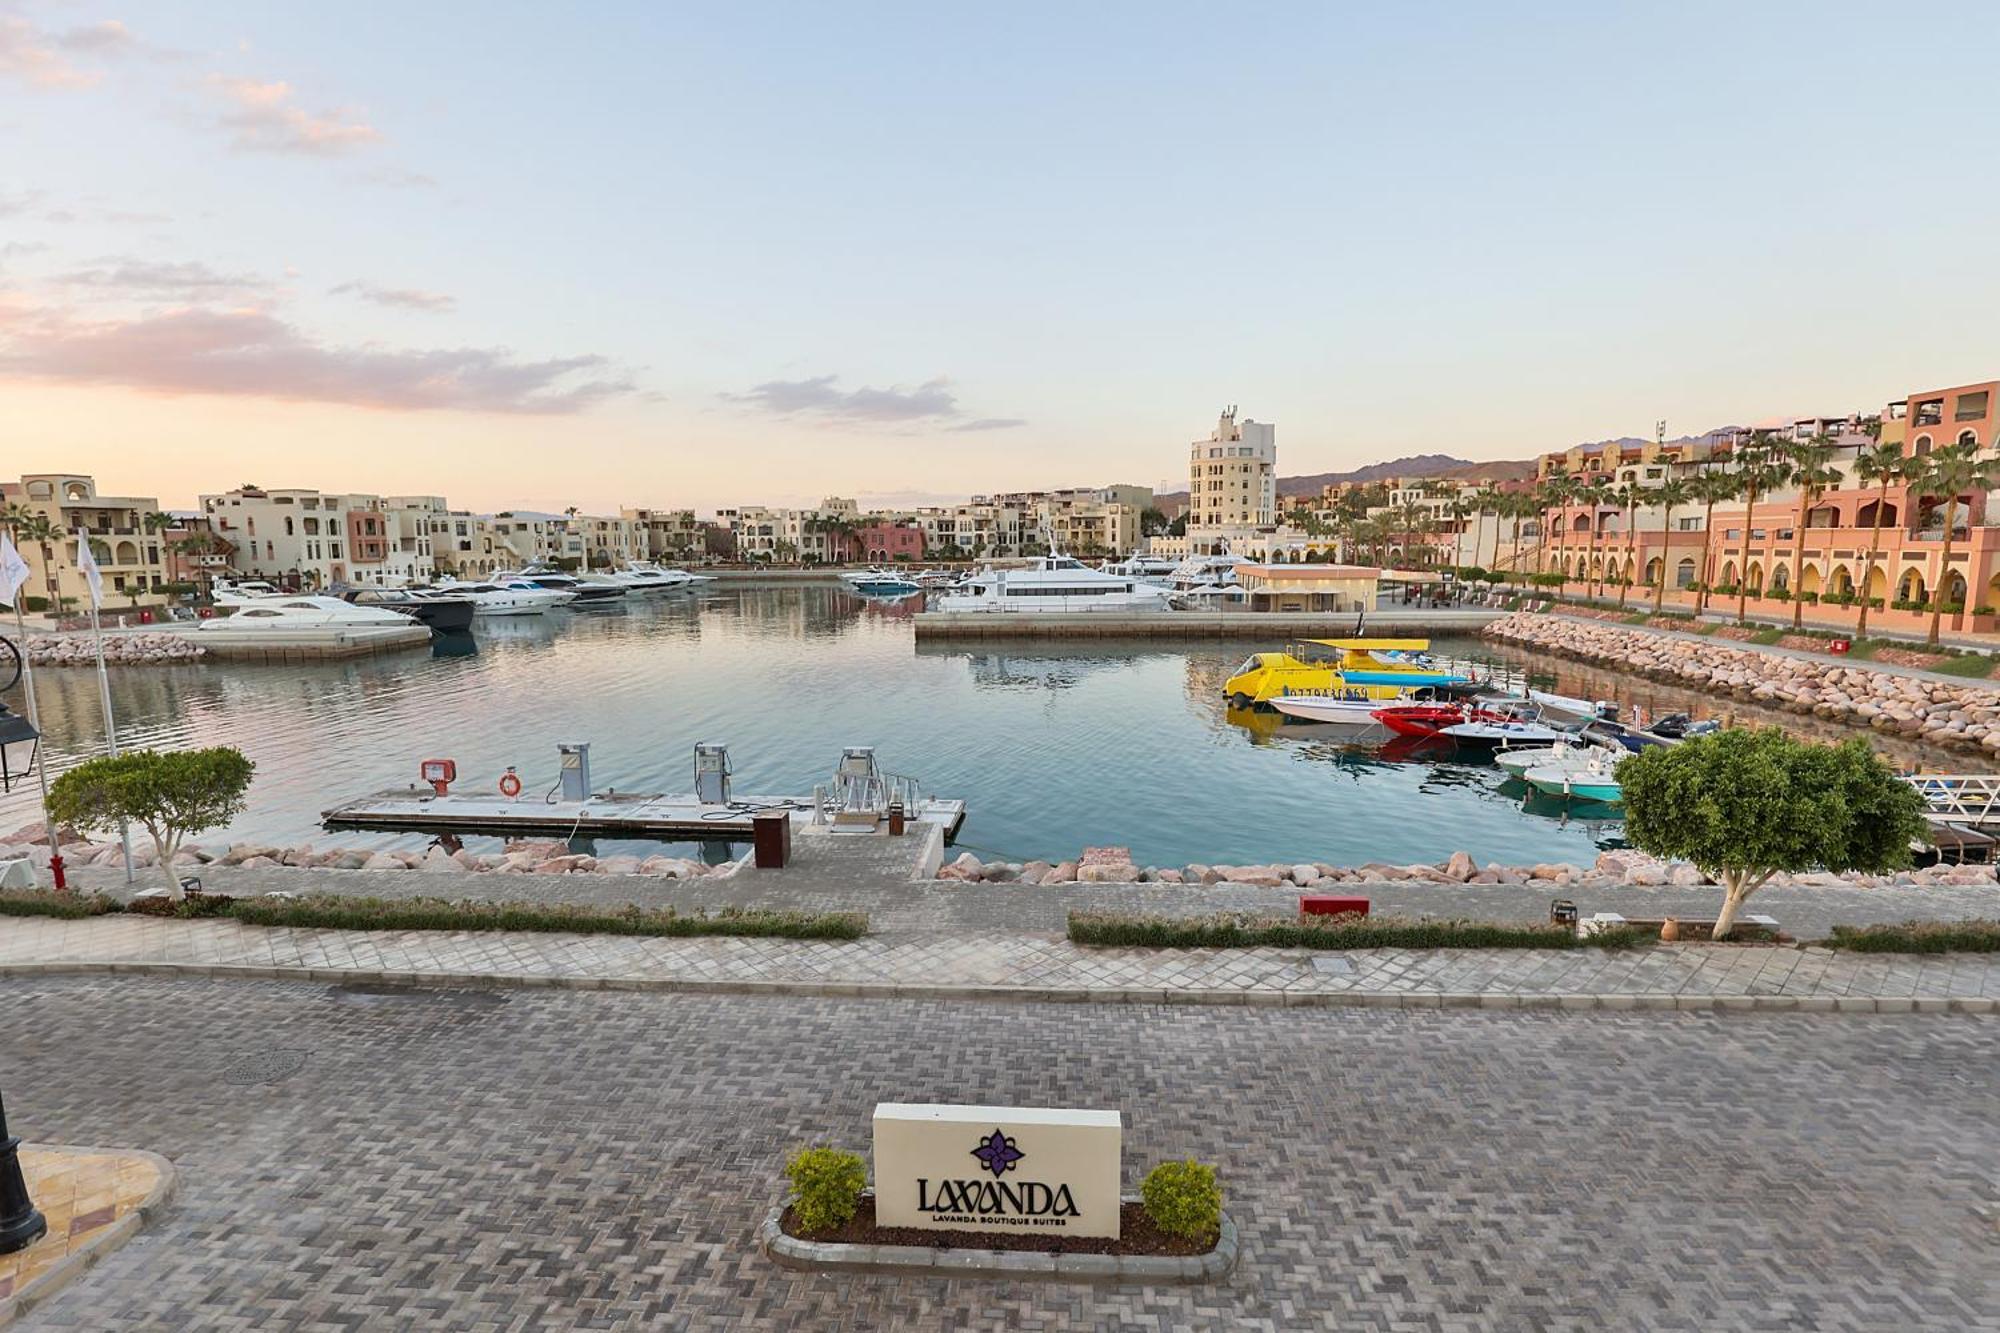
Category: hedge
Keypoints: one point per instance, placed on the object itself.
(1229, 930)
(332, 911)
(1919, 937)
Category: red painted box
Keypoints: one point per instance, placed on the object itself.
(1328, 904)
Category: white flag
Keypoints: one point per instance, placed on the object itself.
(13, 570)
(86, 564)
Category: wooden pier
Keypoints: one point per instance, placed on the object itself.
(677, 817)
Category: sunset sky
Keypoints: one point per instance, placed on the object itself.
(528, 254)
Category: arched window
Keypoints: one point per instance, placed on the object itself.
(1968, 440)
(76, 490)
(40, 490)
(1684, 573)
(1923, 446)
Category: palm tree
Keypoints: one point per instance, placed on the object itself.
(1412, 519)
(1596, 493)
(1813, 472)
(35, 526)
(1459, 511)
(1632, 494)
(1763, 469)
(1949, 473)
(1884, 464)
(1553, 494)
(1710, 487)
(1517, 506)
(1671, 495)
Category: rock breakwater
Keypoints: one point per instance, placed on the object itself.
(1965, 717)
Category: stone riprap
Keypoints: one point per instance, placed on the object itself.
(1965, 717)
(1615, 869)
(521, 857)
(80, 650)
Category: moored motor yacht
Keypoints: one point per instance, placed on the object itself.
(643, 576)
(303, 620)
(583, 587)
(879, 582)
(1056, 584)
(491, 599)
(445, 614)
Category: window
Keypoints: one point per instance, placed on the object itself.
(1968, 440)
(1930, 412)
(1969, 407)
(288, 525)
(1923, 446)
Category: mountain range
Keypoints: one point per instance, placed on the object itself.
(1414, 465)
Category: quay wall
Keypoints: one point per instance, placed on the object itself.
(1270, 626)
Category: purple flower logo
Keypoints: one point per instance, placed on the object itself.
(997, 1153)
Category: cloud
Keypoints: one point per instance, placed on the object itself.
(248, 352)
(265, 121)
(821, 397)
(107, 37)
(13, 205)
(29, 54)
(157, 279)
(405, 298)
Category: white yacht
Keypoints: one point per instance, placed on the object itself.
(1052, 584)
(493, 599)
(643, 576)
(583, 587)
(297, 620)
(1156, 569)
(238, 592)
(1206, 582)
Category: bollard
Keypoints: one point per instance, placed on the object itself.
(21, 1225)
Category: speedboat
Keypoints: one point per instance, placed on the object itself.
(1057, 584)
(880, 582)
(1354, 716)
(1595, 781)
(445, 614)
(492, 599)
(643, 576)
(1514, 726)
(1339, 668)
(1577, 752)
(584, 587)
(299, 620)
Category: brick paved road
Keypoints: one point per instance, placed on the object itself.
(546, 1159)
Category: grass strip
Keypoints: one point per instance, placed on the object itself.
(334, 912)
(1976, 666)
(1232, 930)
(1919, 937)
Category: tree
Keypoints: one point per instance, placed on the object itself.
(1949, 473)
(1178, 528)
(32, 525)
(1762, 469)
(1595, 492)
(1459, 511)
(1814, 474)
(1883, 464)
(1672, 494)
(1152, 522)
(1551, 494)
(1630, 495)
(169, 793)
(1745, 805)
(1708, 488)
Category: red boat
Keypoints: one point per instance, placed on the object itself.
(1429, 719)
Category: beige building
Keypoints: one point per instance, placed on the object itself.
(670, 534)
(126, 536)
(1232, 482)
(1286, 587)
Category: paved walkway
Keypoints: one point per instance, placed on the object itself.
(1022, 967)
(370, 1157)
(940, 907)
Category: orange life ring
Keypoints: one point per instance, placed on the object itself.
(510, 786)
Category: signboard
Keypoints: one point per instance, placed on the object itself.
(997, 1168)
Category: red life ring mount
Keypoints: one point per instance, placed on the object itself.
(510, 785)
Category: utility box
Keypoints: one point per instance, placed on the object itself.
(711, 774)
(575, 771)
(771, 835)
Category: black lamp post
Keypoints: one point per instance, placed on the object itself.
(20, 1224)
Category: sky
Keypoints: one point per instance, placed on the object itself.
(523, 254)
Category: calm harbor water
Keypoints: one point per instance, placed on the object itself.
(1054, 747)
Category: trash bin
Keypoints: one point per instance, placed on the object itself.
(771, 837)
(1838, 646)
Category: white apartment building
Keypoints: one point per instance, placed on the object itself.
(670, 534)
(1232, 483)
(791, 534)
(305, 537)
(463, 545)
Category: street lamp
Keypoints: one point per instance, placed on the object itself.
(20, 1224)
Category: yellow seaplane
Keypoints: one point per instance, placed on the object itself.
(1357, 669)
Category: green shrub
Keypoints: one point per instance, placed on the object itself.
(343, 913)
(1183, 1199)
(826, 1186)
(47, 902)
(1233, 930)
(1919, 937)
(1780, 594)
(1974, 665)
(35, 603)
(1767, 636)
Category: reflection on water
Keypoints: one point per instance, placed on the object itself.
(1054, 747)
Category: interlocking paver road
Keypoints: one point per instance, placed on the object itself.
(385, 1158)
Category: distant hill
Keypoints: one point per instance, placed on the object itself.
(1416, 465)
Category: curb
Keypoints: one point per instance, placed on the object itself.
(924, 1260)
(105, 1242)
(1257, 999)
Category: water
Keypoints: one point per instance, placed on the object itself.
(1054, 747)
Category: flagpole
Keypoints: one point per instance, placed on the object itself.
(41, 750)
(87, 563)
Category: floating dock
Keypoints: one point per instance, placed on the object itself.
(1270, 626)
(677, 817)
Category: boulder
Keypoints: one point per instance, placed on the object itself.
(1460, 867)
(1304, 874)
(1063, 872)
(349, 860)
(1109, 872)
(1169, 876)
(618, 865)
(383, 861)
(439, 861)
(1263, 876)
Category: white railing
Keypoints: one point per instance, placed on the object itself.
(1963, 798)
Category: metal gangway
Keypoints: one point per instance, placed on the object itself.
(1959, 798)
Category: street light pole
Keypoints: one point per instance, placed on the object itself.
(20, 1224)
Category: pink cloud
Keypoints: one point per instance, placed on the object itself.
(31, 55)
(264, 120)
(249, 352)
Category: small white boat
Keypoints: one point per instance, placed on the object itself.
(1352, 717)
(1596, 781)
(1565, 753)
(1569, 706)
(880, 582)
